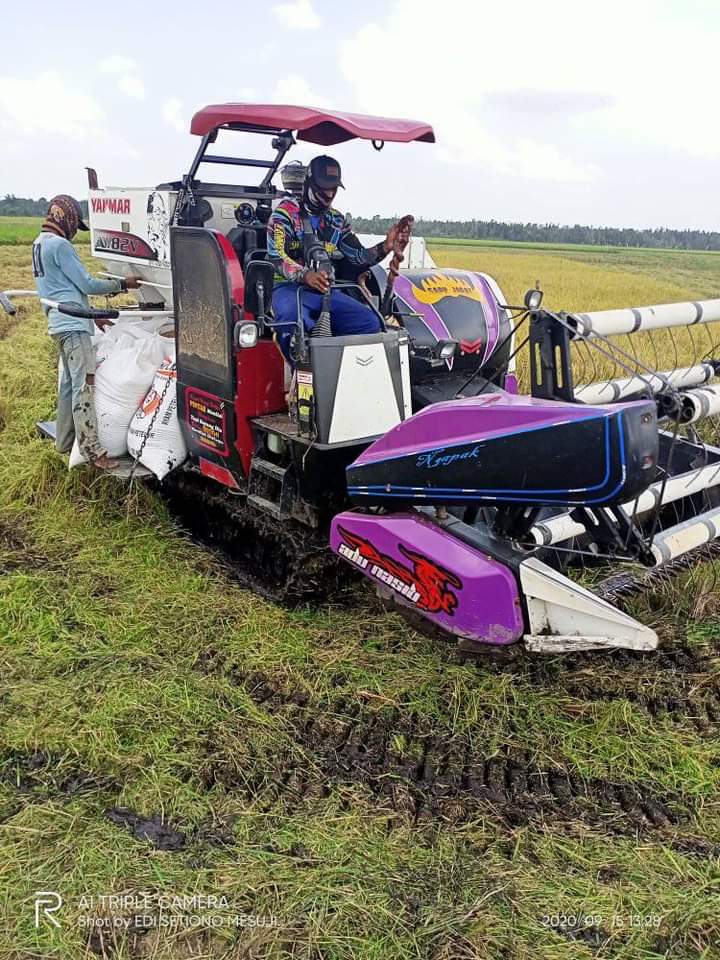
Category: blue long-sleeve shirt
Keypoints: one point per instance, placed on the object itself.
(60, 275)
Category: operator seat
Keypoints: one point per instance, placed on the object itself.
(248, 240)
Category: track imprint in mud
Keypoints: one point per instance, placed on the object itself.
(17, 550)
(423, 775)
(152, 829)
(677, 683)
(43, 776)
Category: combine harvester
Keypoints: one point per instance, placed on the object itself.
(409, 453)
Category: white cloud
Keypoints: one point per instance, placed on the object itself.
(298, 15)
(173, 115)
(247, 94)
(572, 88)
(46, 104)
(132, 87)
(116, 63)
(295, 90)
(454, 98)
(126, 70)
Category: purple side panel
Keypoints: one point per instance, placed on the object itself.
(427, 569)
(475, 419)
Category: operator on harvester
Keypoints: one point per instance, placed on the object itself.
(60, 276)
(291, 225)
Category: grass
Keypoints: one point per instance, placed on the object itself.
(16, 231)
(135, 673)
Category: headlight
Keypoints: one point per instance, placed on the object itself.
(246, 335)
(446, 349)
(533, 299)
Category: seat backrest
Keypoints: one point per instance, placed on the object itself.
(243, 239)
(252, 256)
(196, 214)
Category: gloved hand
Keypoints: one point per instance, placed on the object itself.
(399, 234)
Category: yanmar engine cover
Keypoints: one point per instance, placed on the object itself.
(502, 448)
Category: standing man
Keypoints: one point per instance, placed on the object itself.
(289, 226)
(60, 275)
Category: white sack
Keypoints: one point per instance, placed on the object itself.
(105, 346)
(125, 331)
(121, 382)
(165, 447)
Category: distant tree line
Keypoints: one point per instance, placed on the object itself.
(12, 206)
(660, 237)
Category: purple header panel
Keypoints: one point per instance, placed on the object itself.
(475, 419)
(424, 567)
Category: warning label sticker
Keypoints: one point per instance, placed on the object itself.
(206, 419)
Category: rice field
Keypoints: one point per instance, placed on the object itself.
(344, 788)
(586, 280)
(23, 230)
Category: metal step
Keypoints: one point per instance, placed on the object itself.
(47, 429)
(267, 506)
(268, 469)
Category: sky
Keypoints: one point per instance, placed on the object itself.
(559, 111)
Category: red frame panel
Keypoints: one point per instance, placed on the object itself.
(260, 390)
(259, 370)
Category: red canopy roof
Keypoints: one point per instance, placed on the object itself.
(316, 126)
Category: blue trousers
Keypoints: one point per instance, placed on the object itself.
(76, 407)
(347, 316)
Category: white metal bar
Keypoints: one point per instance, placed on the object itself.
(675, 541)
(129, 314)
(143, 283)
(563, 527)
(607, 323)
(610, 391)
(54, 304)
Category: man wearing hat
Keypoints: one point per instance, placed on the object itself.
(60, 275)
(288, 228)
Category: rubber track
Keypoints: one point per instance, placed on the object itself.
(281, 560)
(424, 775)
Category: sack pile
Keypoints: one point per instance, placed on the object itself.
(134, 365)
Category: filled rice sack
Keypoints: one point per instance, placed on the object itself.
(164, 447)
